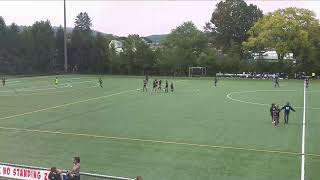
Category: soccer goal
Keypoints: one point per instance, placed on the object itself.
(197, 71)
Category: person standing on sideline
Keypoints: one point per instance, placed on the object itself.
(74, 173)
(287, 108)
(54, 174)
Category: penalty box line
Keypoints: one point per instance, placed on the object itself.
(155, 141)
(72, 103)
(68, 104)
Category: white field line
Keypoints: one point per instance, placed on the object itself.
(47, 92)
(185, 143)
(48, 87)
(68, 104)
(303, 134)
(72, 103)
(229, 96)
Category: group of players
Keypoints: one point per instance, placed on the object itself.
(275, 113)
(275, 110)
(157, 86)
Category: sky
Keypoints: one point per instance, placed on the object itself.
(131, 17)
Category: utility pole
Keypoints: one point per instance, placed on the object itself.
(65, 40)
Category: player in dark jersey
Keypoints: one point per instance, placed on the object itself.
(271, 110)
(147, 78)
(307, 82)
(3, 81)
(276, 82)
(171, 86)
(100, 82)
(215, 81)
(159, 84)
(276, 115)
(145, 81)
(166, 88)
(287, 108)
(154, 85)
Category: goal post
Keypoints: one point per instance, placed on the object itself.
(197, 71)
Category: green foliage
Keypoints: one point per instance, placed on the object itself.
(286, 30)
(231, 21)
(83, 22)
(289, 30)
(182, 47)
(40, 49)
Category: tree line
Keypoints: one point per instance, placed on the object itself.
(235, 31)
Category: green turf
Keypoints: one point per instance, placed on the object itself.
(193, 119)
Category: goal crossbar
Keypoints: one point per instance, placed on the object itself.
(202, 70)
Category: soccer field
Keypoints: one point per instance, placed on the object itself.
(196, 133)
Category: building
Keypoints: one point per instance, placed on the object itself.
(118, 46)
(271, 56)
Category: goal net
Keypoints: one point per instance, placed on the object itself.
(197, 71)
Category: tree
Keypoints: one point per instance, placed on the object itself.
(137, 57)
(82, 42)
(230, 22)
(43, 46)
(83, 22)
(182, 47)
(59, 54)
(289, 30)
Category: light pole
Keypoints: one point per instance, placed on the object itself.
(65, 39)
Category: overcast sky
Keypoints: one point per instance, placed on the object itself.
(130, 17)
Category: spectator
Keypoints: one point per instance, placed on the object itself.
(54, 174)
(74, 173)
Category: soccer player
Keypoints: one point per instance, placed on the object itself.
(275, 115)
(56, 81)
(100, 82)
(171, 86)
(145, 81)
(276, 82)
(307, 82)
(154, 85)
(166, 87)
(147, 78)
(287, 108)
(271, 111)
(3, 81)
(159, 85)
(215, 81)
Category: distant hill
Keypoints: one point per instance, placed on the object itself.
(157, 38)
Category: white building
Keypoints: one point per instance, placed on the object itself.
(270, 56)
(117, 46)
